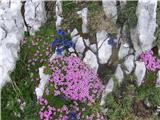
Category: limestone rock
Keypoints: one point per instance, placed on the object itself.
(2, 34)
(140, 72)
(104, 49)
(123, 51)
(11, 32)
(129, 64)
(108, 89)
(44, 80)
(35, 14)
(119, 73)
(146, 25)
(158, 79)
(110, 9)
(135, 41)
(93, 48)
(91, 60)
(83, 13)
(79, 46)
(74, 33)
(87, 42)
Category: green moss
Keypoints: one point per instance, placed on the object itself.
(128, 14)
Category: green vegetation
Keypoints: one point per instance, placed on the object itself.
(123, 101)
(127, 15)
(21, 86)
(158, 23)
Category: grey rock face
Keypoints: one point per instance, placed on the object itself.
(123, 51)
(91, 60)
(158, 79)
(83, 14)
(74, 33)
(140, 72)
(129, 64)
(108, 89)
(104, 49)
(93, 48)
(11, 30)
(35, 14)
(119, 73)
(146, 26)
(135, 41)
(110, 9)
(79, 46)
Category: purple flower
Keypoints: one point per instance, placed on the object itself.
(75, 80)
(61, 32)
(151, 62)
(72, 115)
(111, 41)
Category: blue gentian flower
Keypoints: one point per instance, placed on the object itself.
(59, 51)
(55, 42)
(70, 44)
(61, 32)
(67, 43)
(111, 41)
(72, 115)
(64, 42)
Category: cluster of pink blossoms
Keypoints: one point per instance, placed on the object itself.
(151, 62)
(39, 52)
(71, 112)
(75, 80)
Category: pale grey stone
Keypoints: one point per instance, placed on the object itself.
(146, 26)
(123, 51)
(129, 64)
(104, 49)
(119, 73)
(35, 14)
(91, 60)
(110, 9)
(140, 72)
(158, 79)
(79, 46)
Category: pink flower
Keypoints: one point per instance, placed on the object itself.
(151, 62)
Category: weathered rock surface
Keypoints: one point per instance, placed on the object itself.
(135, 41)
(110, 9)
(83, 14)
(119, 73)
(108, 89)
(79, 46)
(11, 30)
(35, 14)
(129, 64)
(123, 51)
(146, 26)
(104, 49)
(158, 79)
(74, 33)
(44, 80)
(140, 72)
(91, 60)
(93, 47)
